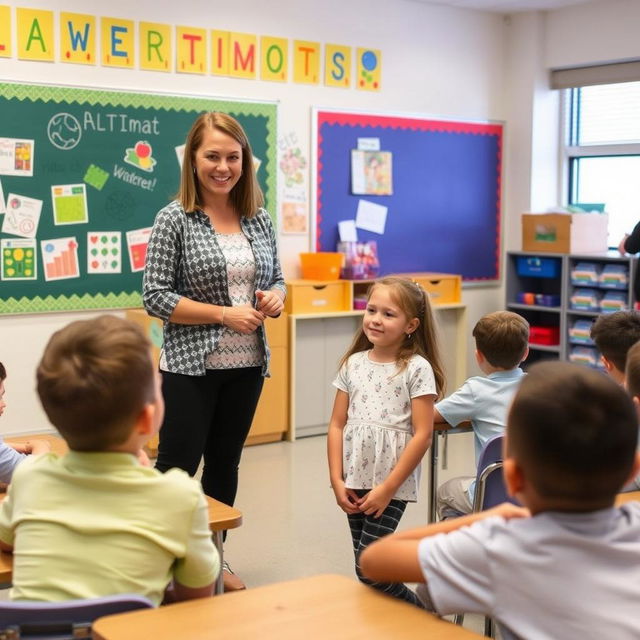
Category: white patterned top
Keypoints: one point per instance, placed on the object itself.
(379, 419)
(235, 350)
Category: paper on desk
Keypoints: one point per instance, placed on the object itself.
(371, 216)
(347, 230)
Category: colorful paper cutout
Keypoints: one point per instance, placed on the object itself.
(104, 252)
(35, 34)
(77, 38)
(60, 258)
(155, 46)
(140, 156)
(19, 259)
(96, 177)
(69, 204)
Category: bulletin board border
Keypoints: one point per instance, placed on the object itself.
(405, 120)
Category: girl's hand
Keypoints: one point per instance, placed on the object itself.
(269, 302)
(376, 501)
(243, 319)
(347, 499)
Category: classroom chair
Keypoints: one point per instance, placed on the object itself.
(67, 620)
(490, 492)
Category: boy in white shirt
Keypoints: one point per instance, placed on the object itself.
(570, 445)
(502, 343)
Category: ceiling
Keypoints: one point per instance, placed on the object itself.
(508, 6)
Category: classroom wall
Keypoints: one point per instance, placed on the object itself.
(436, 60)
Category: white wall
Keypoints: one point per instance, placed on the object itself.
(436, 60)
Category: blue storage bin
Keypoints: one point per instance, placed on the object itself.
(536, 267)
(585, 274)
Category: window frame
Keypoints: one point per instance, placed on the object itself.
(572, 152)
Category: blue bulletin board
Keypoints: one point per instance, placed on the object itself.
(444, 210)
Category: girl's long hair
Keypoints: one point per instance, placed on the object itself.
(414, 302)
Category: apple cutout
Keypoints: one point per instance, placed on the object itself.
(142, 149)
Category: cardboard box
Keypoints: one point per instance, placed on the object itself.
(565, 232)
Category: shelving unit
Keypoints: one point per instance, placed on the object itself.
(559, 283)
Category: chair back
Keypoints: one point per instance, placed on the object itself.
(70, 619)
(490, 487)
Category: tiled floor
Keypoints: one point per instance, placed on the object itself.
(292, 526)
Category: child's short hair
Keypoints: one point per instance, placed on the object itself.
(574, 432)
(502, 337)
(632, 370)
(614, 333)
(3, 372)
(94, 379)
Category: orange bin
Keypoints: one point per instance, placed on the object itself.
(322, 265)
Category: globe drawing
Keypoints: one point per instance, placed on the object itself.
(64, 131)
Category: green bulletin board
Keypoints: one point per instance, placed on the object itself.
(83, 173)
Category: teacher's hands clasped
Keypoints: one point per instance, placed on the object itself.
(243, 319)
(269, 302)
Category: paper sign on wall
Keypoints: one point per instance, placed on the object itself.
(137, 241)
(22, 216)
(19, 260)
(104, 253)
(60, 258)
(16, 157)
(371, 216)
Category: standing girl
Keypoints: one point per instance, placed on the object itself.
(382, 419)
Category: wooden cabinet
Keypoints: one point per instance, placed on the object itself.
(271, 420)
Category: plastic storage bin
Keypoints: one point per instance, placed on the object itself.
(585, 300)
(584, 355)
(614, 276)
(536, 267)
(613, 301)
(585, 274)
(580, 332)
(322, 265)
(544, 335)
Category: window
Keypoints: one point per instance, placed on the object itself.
(603, 151)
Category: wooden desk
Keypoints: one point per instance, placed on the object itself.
(315, 608)
(632, 496)
(440, 430)
(221, 516)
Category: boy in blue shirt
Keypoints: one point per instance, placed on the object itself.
(12, 454)
(567, 565)
(502, 343)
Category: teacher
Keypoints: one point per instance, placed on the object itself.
(213, 275)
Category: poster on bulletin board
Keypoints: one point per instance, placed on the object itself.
(83, 173)
(439, 210)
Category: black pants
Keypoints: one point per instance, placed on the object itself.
(367, 529)
(208, 416)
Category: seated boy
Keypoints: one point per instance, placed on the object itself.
(96, 522)
(570, 570)
(632, 383)
(12, 454)
(614, 334)
(502, 343)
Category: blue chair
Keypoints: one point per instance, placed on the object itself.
(67, 620)
(490, 491)
(490, 488)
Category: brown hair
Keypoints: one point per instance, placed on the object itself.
(502, 337)
(94, 379)
(574, 432)
(246, 196)
(632, 371)
(614, 333)
(3, 372)
(414, 303)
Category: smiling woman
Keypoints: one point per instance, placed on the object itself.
(213, 275)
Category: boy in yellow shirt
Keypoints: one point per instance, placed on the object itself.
(96, 522)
